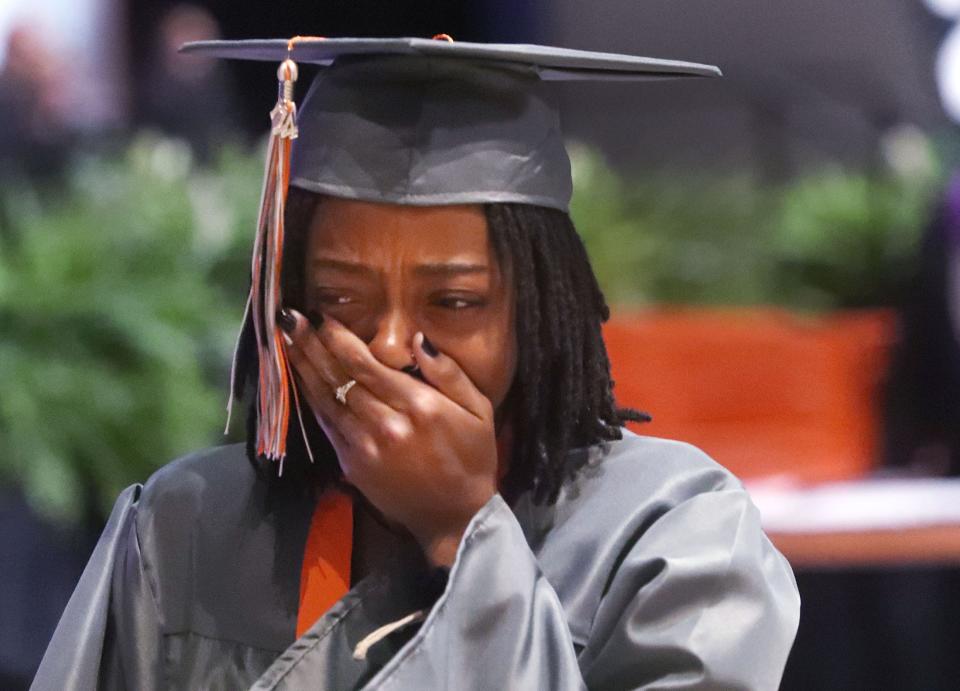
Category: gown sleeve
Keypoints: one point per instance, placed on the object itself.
(112, 606)
(701, 600)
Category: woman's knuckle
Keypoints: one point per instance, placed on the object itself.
(369, 448)
(422, 407)
(396, 430)
(388, 432)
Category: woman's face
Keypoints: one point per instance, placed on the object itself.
(388, 271)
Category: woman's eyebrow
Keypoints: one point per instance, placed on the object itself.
(341, 265)
(431, 269)
(450, 269)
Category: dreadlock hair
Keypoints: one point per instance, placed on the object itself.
(562, 394)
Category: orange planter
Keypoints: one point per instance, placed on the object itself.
(763, 391)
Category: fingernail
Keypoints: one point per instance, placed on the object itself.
(414, 372)
(428, 347)
(286, 321)
(315, 319)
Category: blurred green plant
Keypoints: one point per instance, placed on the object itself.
(120, 294)
(840, 240)
(828, 240)
(119, 299)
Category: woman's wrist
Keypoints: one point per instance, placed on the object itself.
(440, 547)
(441, 551)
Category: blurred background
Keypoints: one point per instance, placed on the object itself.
(781, 248)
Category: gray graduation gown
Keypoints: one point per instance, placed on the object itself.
(650, 572)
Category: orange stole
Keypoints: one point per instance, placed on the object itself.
(325, 572)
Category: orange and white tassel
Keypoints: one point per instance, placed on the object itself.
(276, 386)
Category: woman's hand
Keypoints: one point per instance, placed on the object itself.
(423, 453)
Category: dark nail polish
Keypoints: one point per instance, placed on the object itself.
(414, 372)
(315, 319)
(428, 348)
(286, 321)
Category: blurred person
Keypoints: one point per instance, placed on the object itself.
(35, 136)
(922, 397)
(188, 96)
(908, 618)
(438, 489)
(35, 142)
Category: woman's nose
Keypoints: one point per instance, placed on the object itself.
(392, 342)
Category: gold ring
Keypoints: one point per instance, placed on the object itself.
(342, 391)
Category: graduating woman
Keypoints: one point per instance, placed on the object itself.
(460, 505)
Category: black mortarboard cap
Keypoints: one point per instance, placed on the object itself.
(425, 122)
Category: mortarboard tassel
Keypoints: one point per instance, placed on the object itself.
(276, 384)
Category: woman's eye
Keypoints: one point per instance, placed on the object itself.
(330, 299)
(457, 302)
